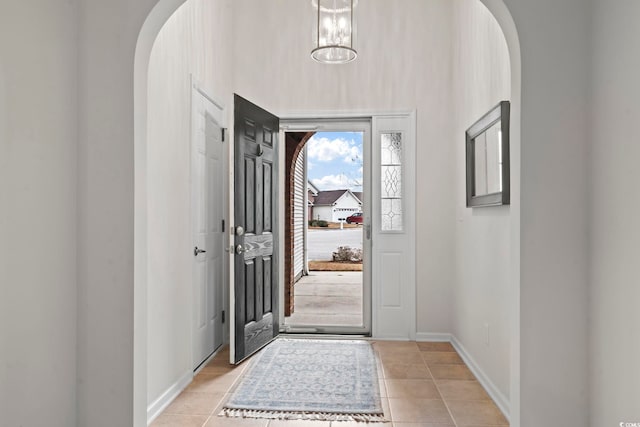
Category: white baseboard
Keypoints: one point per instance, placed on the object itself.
(161, 403)
(500, 399)
(437, 337)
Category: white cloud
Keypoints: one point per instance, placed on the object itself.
(331, 182)
(327, 150)
(354, 156)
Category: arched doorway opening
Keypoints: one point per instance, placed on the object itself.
(160, 14)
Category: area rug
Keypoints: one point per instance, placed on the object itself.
(328, 380)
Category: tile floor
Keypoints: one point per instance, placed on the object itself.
(423, 384)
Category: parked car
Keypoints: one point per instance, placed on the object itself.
(356, 218)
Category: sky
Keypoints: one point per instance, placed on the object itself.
(334, 160)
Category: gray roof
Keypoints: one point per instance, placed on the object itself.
(328, 198)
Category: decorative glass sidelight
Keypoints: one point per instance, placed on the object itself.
(391, 181)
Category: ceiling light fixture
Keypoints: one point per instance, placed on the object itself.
(334, 32)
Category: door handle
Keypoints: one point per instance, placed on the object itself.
(239, 249)
(197, 251)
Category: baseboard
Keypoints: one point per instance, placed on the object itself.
(437, 337)
(500, 399)
(167, 397)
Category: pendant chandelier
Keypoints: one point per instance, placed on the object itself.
(334, 32)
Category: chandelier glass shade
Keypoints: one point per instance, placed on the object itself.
(334, 31)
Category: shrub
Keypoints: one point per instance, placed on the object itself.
(347, 254)
(318, 223)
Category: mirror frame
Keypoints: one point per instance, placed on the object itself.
(498, 113)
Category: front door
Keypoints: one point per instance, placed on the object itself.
(207, 181)
(255, 296)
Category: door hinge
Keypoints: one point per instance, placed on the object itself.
(222, 131)
(223, 225)
(224, 316)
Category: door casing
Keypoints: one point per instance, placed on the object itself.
(343, 124)
(203, 105)
(406, 330)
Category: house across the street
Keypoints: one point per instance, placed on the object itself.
(336, 205)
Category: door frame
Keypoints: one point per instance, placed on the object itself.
(197, 89)
(409, 287)
(326, 123)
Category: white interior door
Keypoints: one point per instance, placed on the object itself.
(208, 180)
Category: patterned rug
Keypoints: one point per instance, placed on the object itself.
(329, 380)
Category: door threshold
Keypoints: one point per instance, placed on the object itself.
(320, 336)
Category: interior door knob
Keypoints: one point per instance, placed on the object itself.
(197, 251)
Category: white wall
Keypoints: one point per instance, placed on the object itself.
(38, 217)
(615, 232)
(195, 40)
(403, 64)
(553, 374)
(481, 292)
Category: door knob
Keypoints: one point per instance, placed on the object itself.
(197, 251)
(239, 249)
(239, 230)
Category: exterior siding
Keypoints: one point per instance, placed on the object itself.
(298, 216)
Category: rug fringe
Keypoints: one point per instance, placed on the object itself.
(317, 416)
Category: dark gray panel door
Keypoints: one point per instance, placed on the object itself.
(256, 273)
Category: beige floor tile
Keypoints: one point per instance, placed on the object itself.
(298, 423)
(461, 390)
(422, 425)
(213, 382)
(379, 370)
(435, 346)
(358, 424)
(191, 403)
(216, 421)
(419, 410)
(406, 371)
(412, 389)
(219, 365)
(383, 388)
(451, 372)
(171, 420)
(409, 394)
(395, 347)
(386, 409)
(408, 357)
(441, 358)
(467, 413)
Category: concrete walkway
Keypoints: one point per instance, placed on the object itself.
(328, 298)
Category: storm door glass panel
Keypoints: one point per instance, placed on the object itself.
(391, 181)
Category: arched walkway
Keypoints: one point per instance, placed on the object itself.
(148, 33)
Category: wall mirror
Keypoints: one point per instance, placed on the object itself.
(487, 156)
